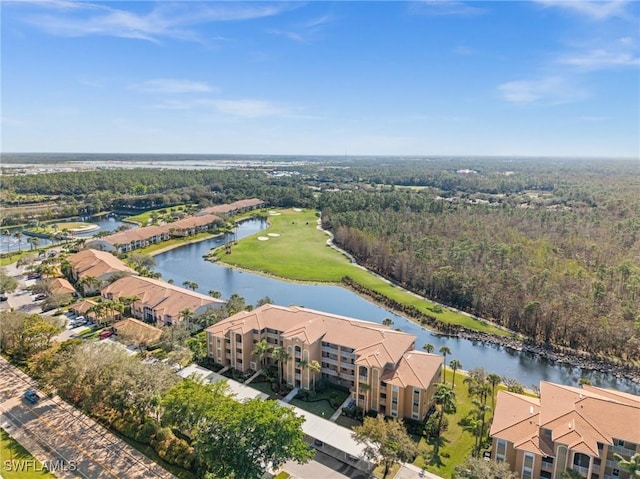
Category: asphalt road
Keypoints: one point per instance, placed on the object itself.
(64, 434)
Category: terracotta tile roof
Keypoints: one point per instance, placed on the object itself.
(162, 297)
(416, 369)
(578, 418)
(138, 330)
(61, 286)
(194, 222)
(135, 234)
(83, 306)
(232, 207)
(374, 344)
(95, 263)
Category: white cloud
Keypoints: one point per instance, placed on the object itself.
(601, 59)
(463, 50)
(548, 90)
(596, 10)
(445, 7)
(164, 20)
(250, 108)
(172, 85)
(290, 35)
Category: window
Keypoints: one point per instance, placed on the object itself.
(619, 442)
(527, 466)
(501, 450)
(616, 472)
(415, 415)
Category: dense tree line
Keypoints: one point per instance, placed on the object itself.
(567, 275)
(90, 192)
(198, 427)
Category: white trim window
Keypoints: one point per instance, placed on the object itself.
(501, 450)
(527, 466)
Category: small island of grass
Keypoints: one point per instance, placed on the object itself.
(67, 228)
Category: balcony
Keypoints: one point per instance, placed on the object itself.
(623, 451)
(329, 349)
(330, 372)
(596, 468)
(363, 380)
(330, 361)
(547, 465)
(348, 355)
(582, 470)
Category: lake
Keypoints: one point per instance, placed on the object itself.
(187, 264)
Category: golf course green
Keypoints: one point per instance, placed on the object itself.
(293, 248)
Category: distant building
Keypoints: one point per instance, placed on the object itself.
(236, 207)
(101, 265)
(138, 331)
(60, 286)
(129, 240)
(158, 301)
(380, 366)
(566, 428)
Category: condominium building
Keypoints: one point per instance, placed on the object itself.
(566, 428)
(157, 301)
(100, 265)
(379, 365)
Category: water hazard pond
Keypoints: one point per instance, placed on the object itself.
(187, 264)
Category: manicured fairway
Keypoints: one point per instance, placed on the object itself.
(300, 253)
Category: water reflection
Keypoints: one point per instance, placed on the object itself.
(187, 264)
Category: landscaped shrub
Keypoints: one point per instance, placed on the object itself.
(355, 412)
(431, 426)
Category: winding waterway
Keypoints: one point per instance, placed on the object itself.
(187, 264)
(10, 243)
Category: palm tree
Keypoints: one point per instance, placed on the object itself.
(192, 285)
(444, 350)
(18, 235)
(187, 316)
(280, 355)
(303, 365)
(571, 474)
(445, 400)
(494, 380)
(215, 294)
(387, 321)
(632, 466)
(314, 368)
(455, 365)
(429, 347)
(261, 349)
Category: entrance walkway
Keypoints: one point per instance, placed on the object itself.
(336, 414)
(253, 377)
(291, 395)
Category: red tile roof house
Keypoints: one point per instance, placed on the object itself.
(233, 208)
(566, 428)
(380, 365)
(128, 240)
(158, 301)
(101, 265)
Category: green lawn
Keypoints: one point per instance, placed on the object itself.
(163, 214)
(320, 407)
(13, 456)
(301, 253)
(10, 258)
(458, 443)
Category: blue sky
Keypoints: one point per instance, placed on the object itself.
(548, 77)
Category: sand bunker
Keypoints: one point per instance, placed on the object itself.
(262, 238)
(273, 235)
(297, 209)
(274, 213)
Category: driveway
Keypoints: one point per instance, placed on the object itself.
(323, 467)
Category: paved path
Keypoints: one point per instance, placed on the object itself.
(291, 395)
(53, 431)
(334, 417)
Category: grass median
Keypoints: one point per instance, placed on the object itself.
(16, 462)
(293, 248)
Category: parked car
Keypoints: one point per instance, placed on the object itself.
(31, 396)
(40, 297)
(105, 334)
(34, 276)
(3, 298)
